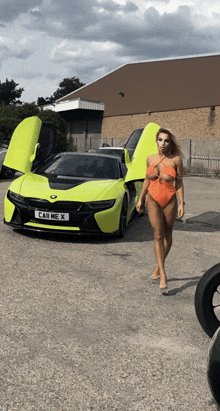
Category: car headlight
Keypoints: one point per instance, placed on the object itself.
(16, 197)
(100, 204)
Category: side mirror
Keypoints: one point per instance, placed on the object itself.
(32, 158)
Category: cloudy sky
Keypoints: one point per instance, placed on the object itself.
(44, 41)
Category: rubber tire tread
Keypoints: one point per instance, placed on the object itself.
(203, 300)
(4, 171)
(124, 204)
(213, 366)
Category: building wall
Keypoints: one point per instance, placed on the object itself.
(94, 134)
(85, 134)
(201, 123)
(158, 86)
(76, 133)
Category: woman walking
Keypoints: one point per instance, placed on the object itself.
(164, 185)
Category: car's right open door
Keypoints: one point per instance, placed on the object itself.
(146, 146)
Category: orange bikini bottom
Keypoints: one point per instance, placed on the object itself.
(161, 192)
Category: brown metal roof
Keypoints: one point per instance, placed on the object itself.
(156, 86)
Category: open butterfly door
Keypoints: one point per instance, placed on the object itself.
(32, 142)
(145, 147)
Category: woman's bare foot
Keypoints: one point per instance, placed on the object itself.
(163, 280)
(156, 273)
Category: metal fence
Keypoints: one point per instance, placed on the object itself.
(82, 144)
(200, 156)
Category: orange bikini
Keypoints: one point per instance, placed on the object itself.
(161, 190)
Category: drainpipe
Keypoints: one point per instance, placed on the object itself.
(190, 154)
(86, 134)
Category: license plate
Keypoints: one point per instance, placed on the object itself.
(45, 215)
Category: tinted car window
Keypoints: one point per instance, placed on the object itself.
(87, 166)
(133, 139)
(47, 140)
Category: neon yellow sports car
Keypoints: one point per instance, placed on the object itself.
(80, 193)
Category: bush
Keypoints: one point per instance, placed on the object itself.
(11, 116)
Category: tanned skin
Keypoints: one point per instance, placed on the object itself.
(162, 219)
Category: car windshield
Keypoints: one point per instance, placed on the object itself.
(78, 165)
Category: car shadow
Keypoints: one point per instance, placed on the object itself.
(3, 179)
(138, 230)
(65, 238)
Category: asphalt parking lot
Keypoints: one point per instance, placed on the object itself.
(83, 328)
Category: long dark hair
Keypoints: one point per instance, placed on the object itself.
(174, 146)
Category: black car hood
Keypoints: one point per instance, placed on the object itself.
(65, 183)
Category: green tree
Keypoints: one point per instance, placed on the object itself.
(9, 92)
(41, 101)
(11, 116)
(66, 86)
(8, 122)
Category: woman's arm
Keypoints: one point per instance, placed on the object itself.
(141, 200)
(140, 203)
(179, 187)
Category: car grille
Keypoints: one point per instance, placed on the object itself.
(58, 206)
(79, 216)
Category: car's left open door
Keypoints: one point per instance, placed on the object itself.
(32, 141)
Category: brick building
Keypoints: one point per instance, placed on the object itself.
(182, 94)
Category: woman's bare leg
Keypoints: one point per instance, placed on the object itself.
(156, 273)
(167, 247)
(169, 214)
(156, 217)
(169, 218)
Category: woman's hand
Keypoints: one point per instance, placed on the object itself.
(181, 210)
(140, 207)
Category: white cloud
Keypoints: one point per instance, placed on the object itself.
(68, 50)
(96, 60)
(11, 9)
(44, 41)
(10, 48)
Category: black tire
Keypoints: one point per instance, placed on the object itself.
(213, 369)
(207, 300)
(123, 218)
(7, 172)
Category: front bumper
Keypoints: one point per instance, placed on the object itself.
(82, 220)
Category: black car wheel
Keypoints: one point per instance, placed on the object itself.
(123, 217)
(7, 172)
(213, 369)
(207, 300)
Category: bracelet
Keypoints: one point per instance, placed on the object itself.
(182, 202)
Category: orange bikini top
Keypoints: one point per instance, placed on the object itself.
(169, 170)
